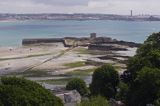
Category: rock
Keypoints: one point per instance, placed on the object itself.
(72, 96)
(107, 47)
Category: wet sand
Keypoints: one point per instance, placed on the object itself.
(51, 59)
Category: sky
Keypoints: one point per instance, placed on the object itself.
(81, 6)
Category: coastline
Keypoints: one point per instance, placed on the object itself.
(41, 62)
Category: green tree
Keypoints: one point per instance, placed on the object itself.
(104, 81)
(147, 55)
(79, 85)
(143, 74)
(95, 101)
(21, 92)
(145, 89)
(122, 92)
(157, 102)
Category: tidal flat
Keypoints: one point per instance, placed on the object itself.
(54, 64)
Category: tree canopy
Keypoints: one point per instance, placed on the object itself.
(95, 101)
(143, 74)
(147, 55)
(79, 85)
(104, 81)
(21, 92)
(145, 89)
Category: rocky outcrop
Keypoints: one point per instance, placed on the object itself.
(107, 47)
(68, 96)
(125, 43)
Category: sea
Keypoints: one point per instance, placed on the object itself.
(12, 32)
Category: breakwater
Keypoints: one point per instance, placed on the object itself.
(40, 40)
(92, 42)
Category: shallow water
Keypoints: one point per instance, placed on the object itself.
(12, 33)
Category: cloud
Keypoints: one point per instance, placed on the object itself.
(124, 6)
(80, 6)
(62, 2)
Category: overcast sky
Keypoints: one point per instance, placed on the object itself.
(81, 6)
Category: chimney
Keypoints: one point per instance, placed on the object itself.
(131, 13)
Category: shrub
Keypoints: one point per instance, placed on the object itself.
(122, 92)
(145, 89)
(95, 101)
(21, 92)
(79, 85)
(147, 56)
(104, 81)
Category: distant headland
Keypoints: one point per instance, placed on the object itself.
(54, 16)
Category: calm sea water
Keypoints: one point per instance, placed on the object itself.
(12, 33)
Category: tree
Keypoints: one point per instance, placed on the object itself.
(95, 101)
(104, 81)
(145, 89)
(21, 92)
(143, 74)
(147, 55)
(122, 92)
(157, 102)
(79, 85)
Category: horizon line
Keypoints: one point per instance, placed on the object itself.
(87, 13)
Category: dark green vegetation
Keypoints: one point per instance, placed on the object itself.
(104, 82)
(143, 74)
(95, 101)
(21, 92)
(140, 84)
(145, 89)
(79, 85)
(147, 56)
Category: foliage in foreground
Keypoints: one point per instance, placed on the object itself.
(143, 74)
(122, 92)
(79, 85)
(95, 101)
(21, 92)
(145, 89)
(104, 81)
(148, 55)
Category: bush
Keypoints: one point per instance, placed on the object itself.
(21, 92)
(104, 81)
(147, 56)
(145, 89)
(95, 101)
(122, 92)
(79, 85)
(143, 74)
